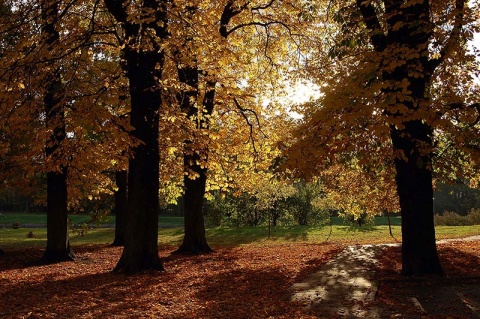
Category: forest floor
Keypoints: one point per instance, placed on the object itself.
(362, 281)
(247, 281)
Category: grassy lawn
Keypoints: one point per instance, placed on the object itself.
(230, 237)
(41, 219)
(166, 221)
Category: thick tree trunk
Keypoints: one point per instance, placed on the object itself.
(143, 62)
(120, 208)
(141, 245)
(407, 40)
(415, 191)
(58, 246)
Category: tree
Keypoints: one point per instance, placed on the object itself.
(357, 193)
(387, 102)
(305, 200)
(56, 109)
(409, 33)
(58, 244)
(195, 149)
(205, 83)
(143, 61)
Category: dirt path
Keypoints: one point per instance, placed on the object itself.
(346, 287)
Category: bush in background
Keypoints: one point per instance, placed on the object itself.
(454, 219)
(474, 216)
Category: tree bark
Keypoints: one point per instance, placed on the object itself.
(58, 245)
(141, 245)
(143, 61)
(120, 208)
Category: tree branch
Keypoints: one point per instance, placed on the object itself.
(454, 36)
(115, 7)
(243, 113)
(229, 11)
(370, 19)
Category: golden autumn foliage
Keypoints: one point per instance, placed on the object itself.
(350, 125)
(96, 133)
(253, 58)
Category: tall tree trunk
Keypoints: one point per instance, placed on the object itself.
(141, 245)
(143, 63)
(120, 208)
(58, 245)
(194, 240)
(409, 31)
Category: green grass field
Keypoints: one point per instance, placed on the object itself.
(8, 219)
(230, 237)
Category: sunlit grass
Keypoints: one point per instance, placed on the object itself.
(228, 237)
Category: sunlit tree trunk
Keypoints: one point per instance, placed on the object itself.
(58, 246)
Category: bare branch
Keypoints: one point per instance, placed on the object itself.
(256, 23)
(244, 115)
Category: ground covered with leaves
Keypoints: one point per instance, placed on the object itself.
(248, 281)
(456, 295)
(242, 282)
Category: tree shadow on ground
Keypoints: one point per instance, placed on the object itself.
(93, 295)
(202, 286)
(359, 229)
(21, 258)
(456, 295)
(247, 294)
(236, 236)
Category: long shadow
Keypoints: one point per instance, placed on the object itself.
(359, 229)
(456, 295)
(247, 294)
(21, 258)
(95, 295)
(236, 236)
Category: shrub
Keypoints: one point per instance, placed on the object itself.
(359, 221)
(474, 216)
(451, 219)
